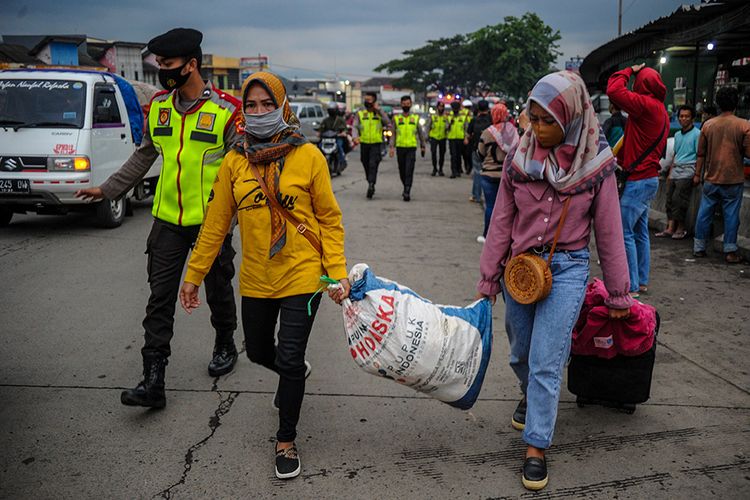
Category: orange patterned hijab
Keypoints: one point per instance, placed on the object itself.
(271, 155)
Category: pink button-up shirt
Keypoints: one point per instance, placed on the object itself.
(526, 216)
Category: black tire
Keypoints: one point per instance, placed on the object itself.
(6, 214)
(110, 214)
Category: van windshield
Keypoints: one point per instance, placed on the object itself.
(42, 103)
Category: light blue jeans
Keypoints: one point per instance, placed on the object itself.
(729, 196)
(540, 336)
(476, 186)
(634, 206)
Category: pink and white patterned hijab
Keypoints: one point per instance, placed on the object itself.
(584, 158)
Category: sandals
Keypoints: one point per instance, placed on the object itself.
(732, 258)
(664, 234)
(679, 235)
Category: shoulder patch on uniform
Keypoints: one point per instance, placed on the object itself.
(165, 116)
(206, 121)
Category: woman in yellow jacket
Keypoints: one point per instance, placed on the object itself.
(281, 269)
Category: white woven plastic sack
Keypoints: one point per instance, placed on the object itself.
(442, 351)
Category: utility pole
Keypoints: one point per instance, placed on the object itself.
(619, 17)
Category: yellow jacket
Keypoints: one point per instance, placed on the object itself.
(305, 187)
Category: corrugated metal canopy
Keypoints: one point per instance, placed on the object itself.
(726, 23)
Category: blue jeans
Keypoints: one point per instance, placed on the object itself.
(540, 337)
(340, 149)
(634, 206)
(730, 198)
(490, 186)
(476, 186)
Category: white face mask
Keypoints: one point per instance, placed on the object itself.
(266, 125)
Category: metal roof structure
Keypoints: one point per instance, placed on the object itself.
(724, 23)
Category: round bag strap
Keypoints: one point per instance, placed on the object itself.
(559, 229)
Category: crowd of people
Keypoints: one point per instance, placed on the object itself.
(263, 175)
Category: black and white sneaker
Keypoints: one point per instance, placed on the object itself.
(518, 420)
(534, 475)
(308, 370)
(287, 463)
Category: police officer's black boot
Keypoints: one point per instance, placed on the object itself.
(150, 391)
(225, 356)
(370, 190)
(407, 193)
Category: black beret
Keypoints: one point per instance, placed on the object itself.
(176, 43)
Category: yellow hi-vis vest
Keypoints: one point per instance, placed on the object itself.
(437, 129)
(406, 130)
(370, 127)
(456, 125)
(192, 148)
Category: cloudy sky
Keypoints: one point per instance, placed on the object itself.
(324, 38)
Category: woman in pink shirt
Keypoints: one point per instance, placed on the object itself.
(563, 154)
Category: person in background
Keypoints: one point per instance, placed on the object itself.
(335, 122)
(474, 130)
(708, 113)
(437, 133)
(367, 132)
(406, 134)
(494, 144)
(723, 142)
(281, 268)
(643, 145)
(563, 158)
(469, 111)
(680, 175)
(456, 134)
(192, 125)
(614, 126)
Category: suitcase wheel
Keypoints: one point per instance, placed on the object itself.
(581, 401)
(628, 408)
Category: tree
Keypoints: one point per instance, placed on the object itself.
(508, 57)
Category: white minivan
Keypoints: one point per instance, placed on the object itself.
(60, 131)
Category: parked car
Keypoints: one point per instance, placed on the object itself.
(310, 114)
(60, 131)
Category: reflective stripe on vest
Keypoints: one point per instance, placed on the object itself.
(406, 131)
(192, 148)
(437, 129)
(370, 127)
(456, 124)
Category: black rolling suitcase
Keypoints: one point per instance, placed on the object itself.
(620, 382)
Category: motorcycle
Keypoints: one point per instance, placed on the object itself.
(329, 149)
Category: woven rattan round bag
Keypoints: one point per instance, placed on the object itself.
(527, 278)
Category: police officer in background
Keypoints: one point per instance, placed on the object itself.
(437, 132)
(367, 131)
(406, 134)
(192, 125)
(456, 134)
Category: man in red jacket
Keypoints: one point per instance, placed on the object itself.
(645, 139)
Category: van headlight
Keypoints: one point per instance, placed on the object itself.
(68, 164)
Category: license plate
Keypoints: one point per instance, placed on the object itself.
(15, 186)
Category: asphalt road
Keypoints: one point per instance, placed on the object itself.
(73, 298)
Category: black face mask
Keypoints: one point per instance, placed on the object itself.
(369, 105)
(172, 79)
(406, 108)
(332, 113)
